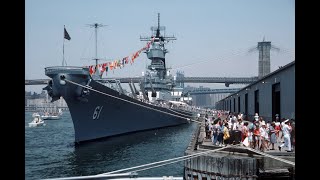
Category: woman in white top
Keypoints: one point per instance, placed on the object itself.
(263, 136)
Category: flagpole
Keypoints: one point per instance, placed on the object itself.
(63, 45)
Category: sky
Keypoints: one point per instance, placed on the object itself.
(213, 36)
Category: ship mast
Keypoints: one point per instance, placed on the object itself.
(157, 71)
(96, 25)
(157, 52)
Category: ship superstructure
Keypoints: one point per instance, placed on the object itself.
(157, 80)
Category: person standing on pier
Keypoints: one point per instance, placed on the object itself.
(263, 136)
(220, 133)
(272, 132)
(210, 129)
(278, 129)
(292, 134)
(207, 127)
(244, 131)
(250, 135)
(215, 133)
(286, 135)
(226, 134)
(256, 135)
(256, 117)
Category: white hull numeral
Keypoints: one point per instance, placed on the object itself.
(96, 112)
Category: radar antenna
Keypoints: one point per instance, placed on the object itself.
(96, 25)
(156, 33)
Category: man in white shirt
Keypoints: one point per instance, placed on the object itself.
(286, 136)
(234, 123)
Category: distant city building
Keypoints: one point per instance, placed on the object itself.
(42, 102)
(205, 100)
(34, 101)
(180, 75)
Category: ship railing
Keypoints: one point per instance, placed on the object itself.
(108, 84)
(156, 66)
(157, 80)
(65, 68)
(157, 63)
(119, 86)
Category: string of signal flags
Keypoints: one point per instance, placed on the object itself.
(111, 65)
(118, 63)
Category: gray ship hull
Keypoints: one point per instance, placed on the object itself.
(96, 115)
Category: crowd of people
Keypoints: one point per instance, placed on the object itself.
(228, 128)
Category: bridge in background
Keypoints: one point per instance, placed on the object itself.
(226, 80)
(211, 91)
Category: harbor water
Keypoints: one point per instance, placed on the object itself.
(50, 151)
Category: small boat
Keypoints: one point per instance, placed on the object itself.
(52, 115)
(37, 121)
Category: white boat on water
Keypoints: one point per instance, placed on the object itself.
(37, 121)
(52, 115)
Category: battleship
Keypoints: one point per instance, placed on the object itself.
(100, 108)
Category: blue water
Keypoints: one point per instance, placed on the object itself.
(50, 151)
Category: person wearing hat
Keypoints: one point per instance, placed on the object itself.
(256, 117)
(286, 136)
(263, 136)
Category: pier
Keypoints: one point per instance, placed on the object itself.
(234, 161)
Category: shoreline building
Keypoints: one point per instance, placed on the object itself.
(272, 94)
(38, 102)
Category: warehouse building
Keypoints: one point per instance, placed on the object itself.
(270, 95)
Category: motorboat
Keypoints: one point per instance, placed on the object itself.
(37, 121)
